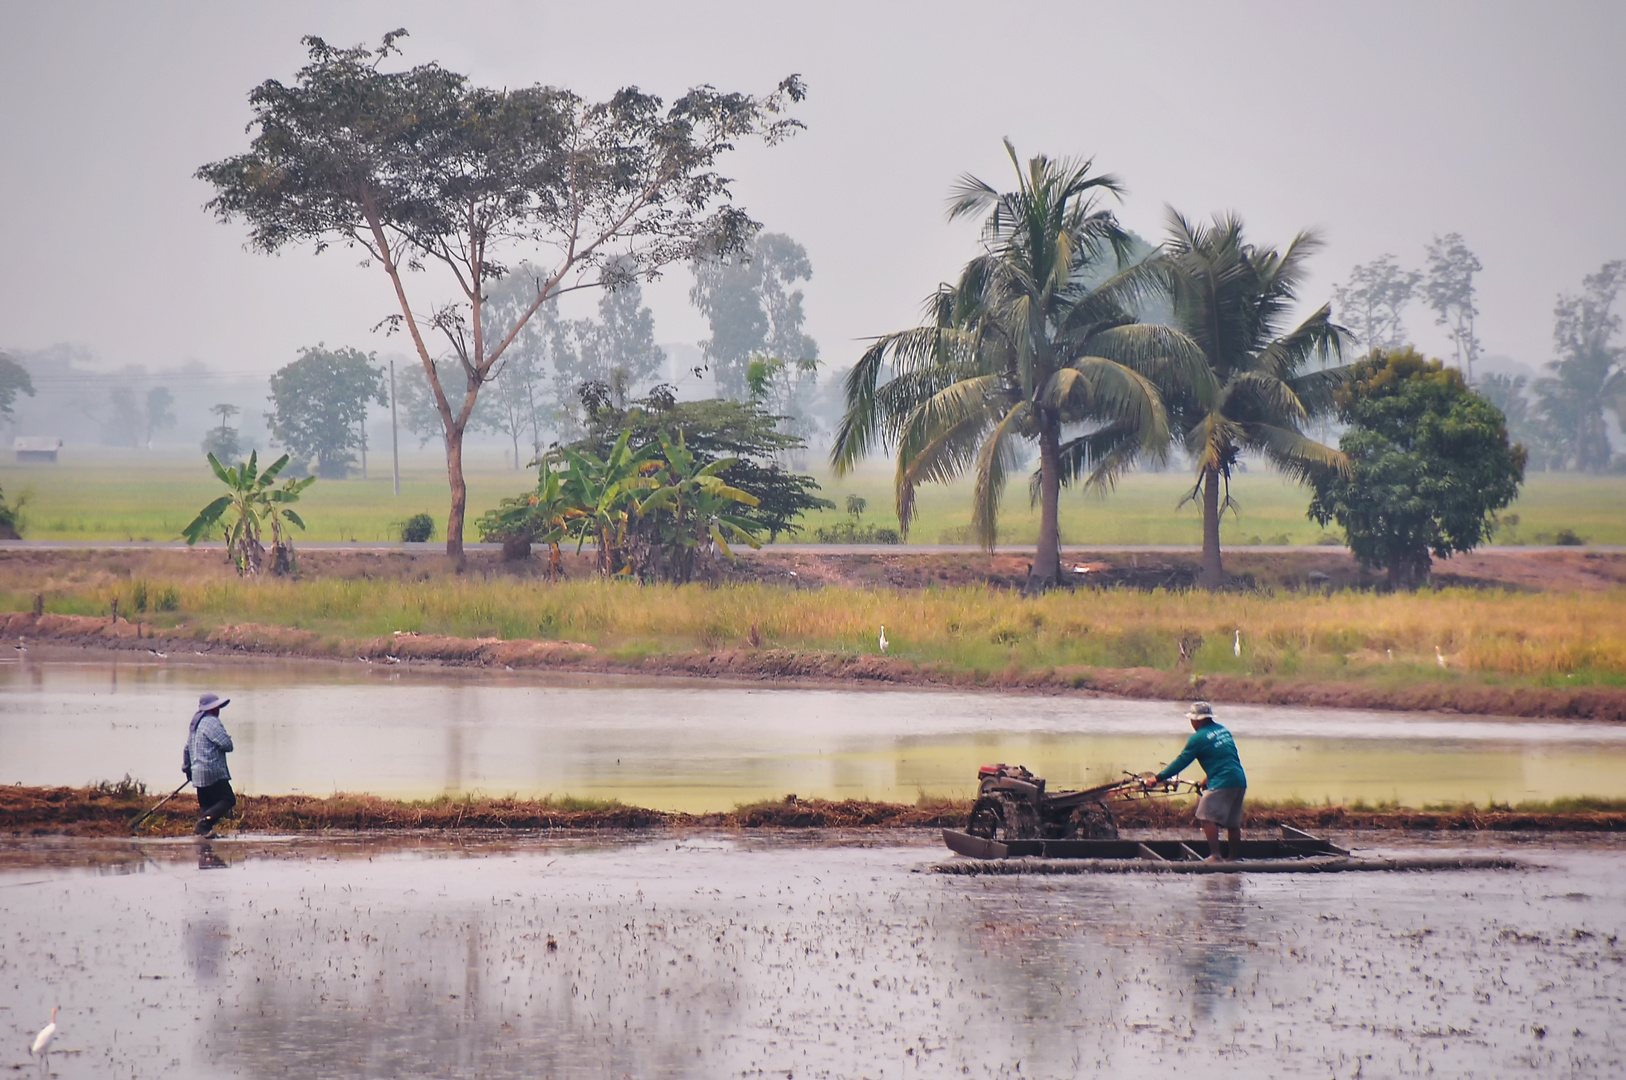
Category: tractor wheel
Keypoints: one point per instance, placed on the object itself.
(1094, 822)
(987, 819)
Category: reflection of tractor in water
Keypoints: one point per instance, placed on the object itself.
(1012, 804)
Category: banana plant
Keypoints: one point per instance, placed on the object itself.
(542, 516)
(250, 506)
(688, 513)
(600, 492)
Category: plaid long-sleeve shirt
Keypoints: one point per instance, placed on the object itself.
(204, 759)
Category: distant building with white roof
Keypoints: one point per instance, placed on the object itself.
(36, 447)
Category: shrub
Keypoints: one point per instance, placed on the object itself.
(418, 529)
(847, 532)
(1567, 538)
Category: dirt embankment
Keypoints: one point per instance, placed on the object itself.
(96, 812)
(811, 667)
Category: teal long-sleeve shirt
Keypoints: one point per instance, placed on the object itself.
(1212, 747)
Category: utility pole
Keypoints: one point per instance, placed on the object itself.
(395, 441)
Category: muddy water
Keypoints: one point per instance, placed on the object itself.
(702, 746)
(724, 955)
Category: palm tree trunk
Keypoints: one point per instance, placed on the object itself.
(460, 495)
(1047, 559)
(1213, 570)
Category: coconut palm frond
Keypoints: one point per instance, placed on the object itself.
(1316, 338)
(998, 456)
(1095, 388)
(1256, 396)
(1295, 453)
(1095, 460)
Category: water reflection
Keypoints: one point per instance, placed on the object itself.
(208, 859)
(689, 746)
(1214, 959)
(727, 955)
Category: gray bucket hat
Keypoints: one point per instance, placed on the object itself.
(211, 701)
(1200, 710)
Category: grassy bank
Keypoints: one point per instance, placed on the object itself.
(1449, 638)
(107, 494)
(107, 810)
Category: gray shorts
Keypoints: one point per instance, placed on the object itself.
(1222, 806)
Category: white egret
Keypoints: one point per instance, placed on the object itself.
(1439, 657)
(1236, 646)
(884, 642)
(42, 1042)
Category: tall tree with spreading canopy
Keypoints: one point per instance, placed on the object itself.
(750, 302)
(1025, 348)
(1450, 291)
(1589, 375)
(419, 168)
(1233, 299)
(1373, 302)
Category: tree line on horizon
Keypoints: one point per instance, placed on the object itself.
(1040, 341)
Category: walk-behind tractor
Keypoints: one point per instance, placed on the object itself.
(1012, 804)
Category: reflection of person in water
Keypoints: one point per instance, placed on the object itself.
(1215, 965)
(204, 763)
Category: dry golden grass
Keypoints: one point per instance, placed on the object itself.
(1551, 639)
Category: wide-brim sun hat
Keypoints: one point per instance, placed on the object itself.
(211, 701)
(1200, 710)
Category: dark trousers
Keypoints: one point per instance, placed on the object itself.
(214, 802)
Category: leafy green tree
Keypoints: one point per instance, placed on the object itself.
(1025, 348)
(520, 403)
(160, 412)
(1449, 290)
(222, 442)
(1373, 303)
(1548, 447)
(1430, 465)
(252, 505)
(713, 429)
(420, 168)
(1258, 391)
(1589, 375)
(320, 406)
(14, 380)
(749, 299)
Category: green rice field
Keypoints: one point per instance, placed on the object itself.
(106, 494)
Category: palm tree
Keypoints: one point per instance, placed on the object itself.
(1233, 300)
(1031, 344)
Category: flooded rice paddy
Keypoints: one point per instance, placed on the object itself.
(723, 955)
(699, 746)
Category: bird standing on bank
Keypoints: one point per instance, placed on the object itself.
(1236, 646)
(42, 1042)
(1439, 657)
(884, 642)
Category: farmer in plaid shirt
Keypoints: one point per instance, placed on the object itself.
(204, 763)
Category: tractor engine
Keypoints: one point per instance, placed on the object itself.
(1012, 804)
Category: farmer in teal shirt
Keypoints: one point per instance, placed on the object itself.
(1212, 747)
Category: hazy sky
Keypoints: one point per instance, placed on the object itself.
(1379, 124)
